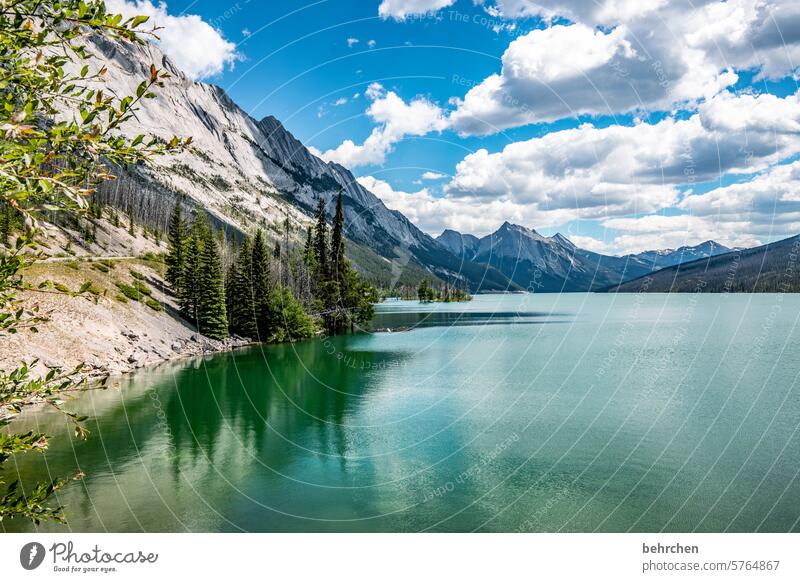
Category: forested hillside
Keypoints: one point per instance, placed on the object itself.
(772, 268)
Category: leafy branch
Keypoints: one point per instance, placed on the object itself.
(61, 135)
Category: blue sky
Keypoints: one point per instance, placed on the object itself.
(297, 63)
(625, 125)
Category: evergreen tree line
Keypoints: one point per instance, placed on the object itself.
(194, 271)
(270, 296)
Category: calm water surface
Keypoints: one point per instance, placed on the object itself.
(510, 413)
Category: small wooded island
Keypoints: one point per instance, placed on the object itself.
(446, 294)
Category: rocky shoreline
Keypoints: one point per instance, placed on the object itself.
(106, 333)
(143, 355)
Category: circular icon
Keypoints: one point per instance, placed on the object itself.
(31, 555)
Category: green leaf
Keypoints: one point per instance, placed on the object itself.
(138, 20)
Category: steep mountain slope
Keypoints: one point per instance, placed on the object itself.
(246, 173)
(461, 245)
(685, 254)
(543, 264)
(769, 268)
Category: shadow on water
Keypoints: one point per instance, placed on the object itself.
(406, 320)
(270, 397)
(275, 402)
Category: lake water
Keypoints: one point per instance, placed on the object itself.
(572, 412)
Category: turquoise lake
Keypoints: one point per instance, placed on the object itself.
(572, 412)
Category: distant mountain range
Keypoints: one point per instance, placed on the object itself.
(766, 269)
(669, 257)
(552, 264)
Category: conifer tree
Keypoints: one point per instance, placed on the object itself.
(338, 262)
(176, 240)
(424, 292)
(131, 226)
(308, 250)
(230, 289)
(241, 304)
(286, 320)
(189, 284)
(212, 318)
(260, 283)
(321, 242)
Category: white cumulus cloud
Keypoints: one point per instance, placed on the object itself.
(569, 70)
(471, 215)
(597, 173)
(764, 207)
(433, 176)
(195, 46)
(402, 9)
(635, 235)
(395, 119)
(620, 56)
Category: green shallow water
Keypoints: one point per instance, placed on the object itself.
(570, 412)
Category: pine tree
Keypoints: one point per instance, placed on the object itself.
(260, 283)
(95, 207)
(424, 292)
(308, 250)
(131, 226)
(176, 240)
(321, 242)
(286, 319)
(189, 283)
(230, 290)
(241, 304)
(87, 233)
(212, 319)
(338, 262)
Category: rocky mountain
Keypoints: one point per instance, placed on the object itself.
(556, 264)
(769, 268)
(669, 257)
(246, 173)
(543, 264)
(461, 245)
